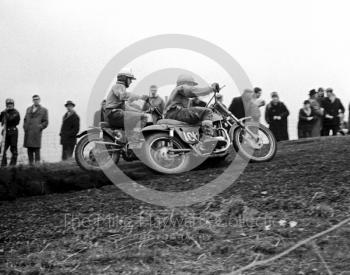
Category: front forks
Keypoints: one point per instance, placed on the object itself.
(246, 129)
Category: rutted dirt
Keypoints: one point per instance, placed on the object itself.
(303, 191)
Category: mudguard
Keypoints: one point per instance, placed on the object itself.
(232, 130)
(92, 130)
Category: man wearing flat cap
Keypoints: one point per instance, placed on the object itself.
(69, 130)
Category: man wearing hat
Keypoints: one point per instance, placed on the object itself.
(69, 130)
(9, 120)
(318, 111)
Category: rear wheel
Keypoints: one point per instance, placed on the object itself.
(261, 149)
(92, 156)
(156, 153)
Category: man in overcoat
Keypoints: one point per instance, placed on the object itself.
(276, 115)
(69, 130)
(35, 121)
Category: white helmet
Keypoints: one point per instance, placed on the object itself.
(185, 79)
(126, 73)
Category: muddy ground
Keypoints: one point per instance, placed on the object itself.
(272, 206)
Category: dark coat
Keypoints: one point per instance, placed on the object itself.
(304, 124)
(237, 107)
(70, 128)
(10, 117)
(278, 127)
(244, 108)
(333, 109)
(34, 124)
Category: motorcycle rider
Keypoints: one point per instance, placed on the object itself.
(10, 119)
(178, 108)
(118, 111)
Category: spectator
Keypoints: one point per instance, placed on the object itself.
(243, 106)
(276, 115)
(318, 112)
(256, 97)
(69, 130)
(99, 115)
(154, 102)
(9, 120)
(333, 108)
(35, 121)
(320, 95)
(307, 119)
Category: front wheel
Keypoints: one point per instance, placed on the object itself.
(92, 156)
(158, 154)
(261, 147)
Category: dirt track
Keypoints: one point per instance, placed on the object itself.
(105, 231)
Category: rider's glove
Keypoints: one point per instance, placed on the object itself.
(215, 87)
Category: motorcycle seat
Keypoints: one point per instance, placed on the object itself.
(174, 122)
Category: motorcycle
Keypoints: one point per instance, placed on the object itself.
(102, 147)
(173, 146)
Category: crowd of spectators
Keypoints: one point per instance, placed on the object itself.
(322, 114)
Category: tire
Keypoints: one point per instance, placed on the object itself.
(83, 163)
(148, 157)
(237, 137)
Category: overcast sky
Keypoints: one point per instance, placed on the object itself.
(58, 48)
